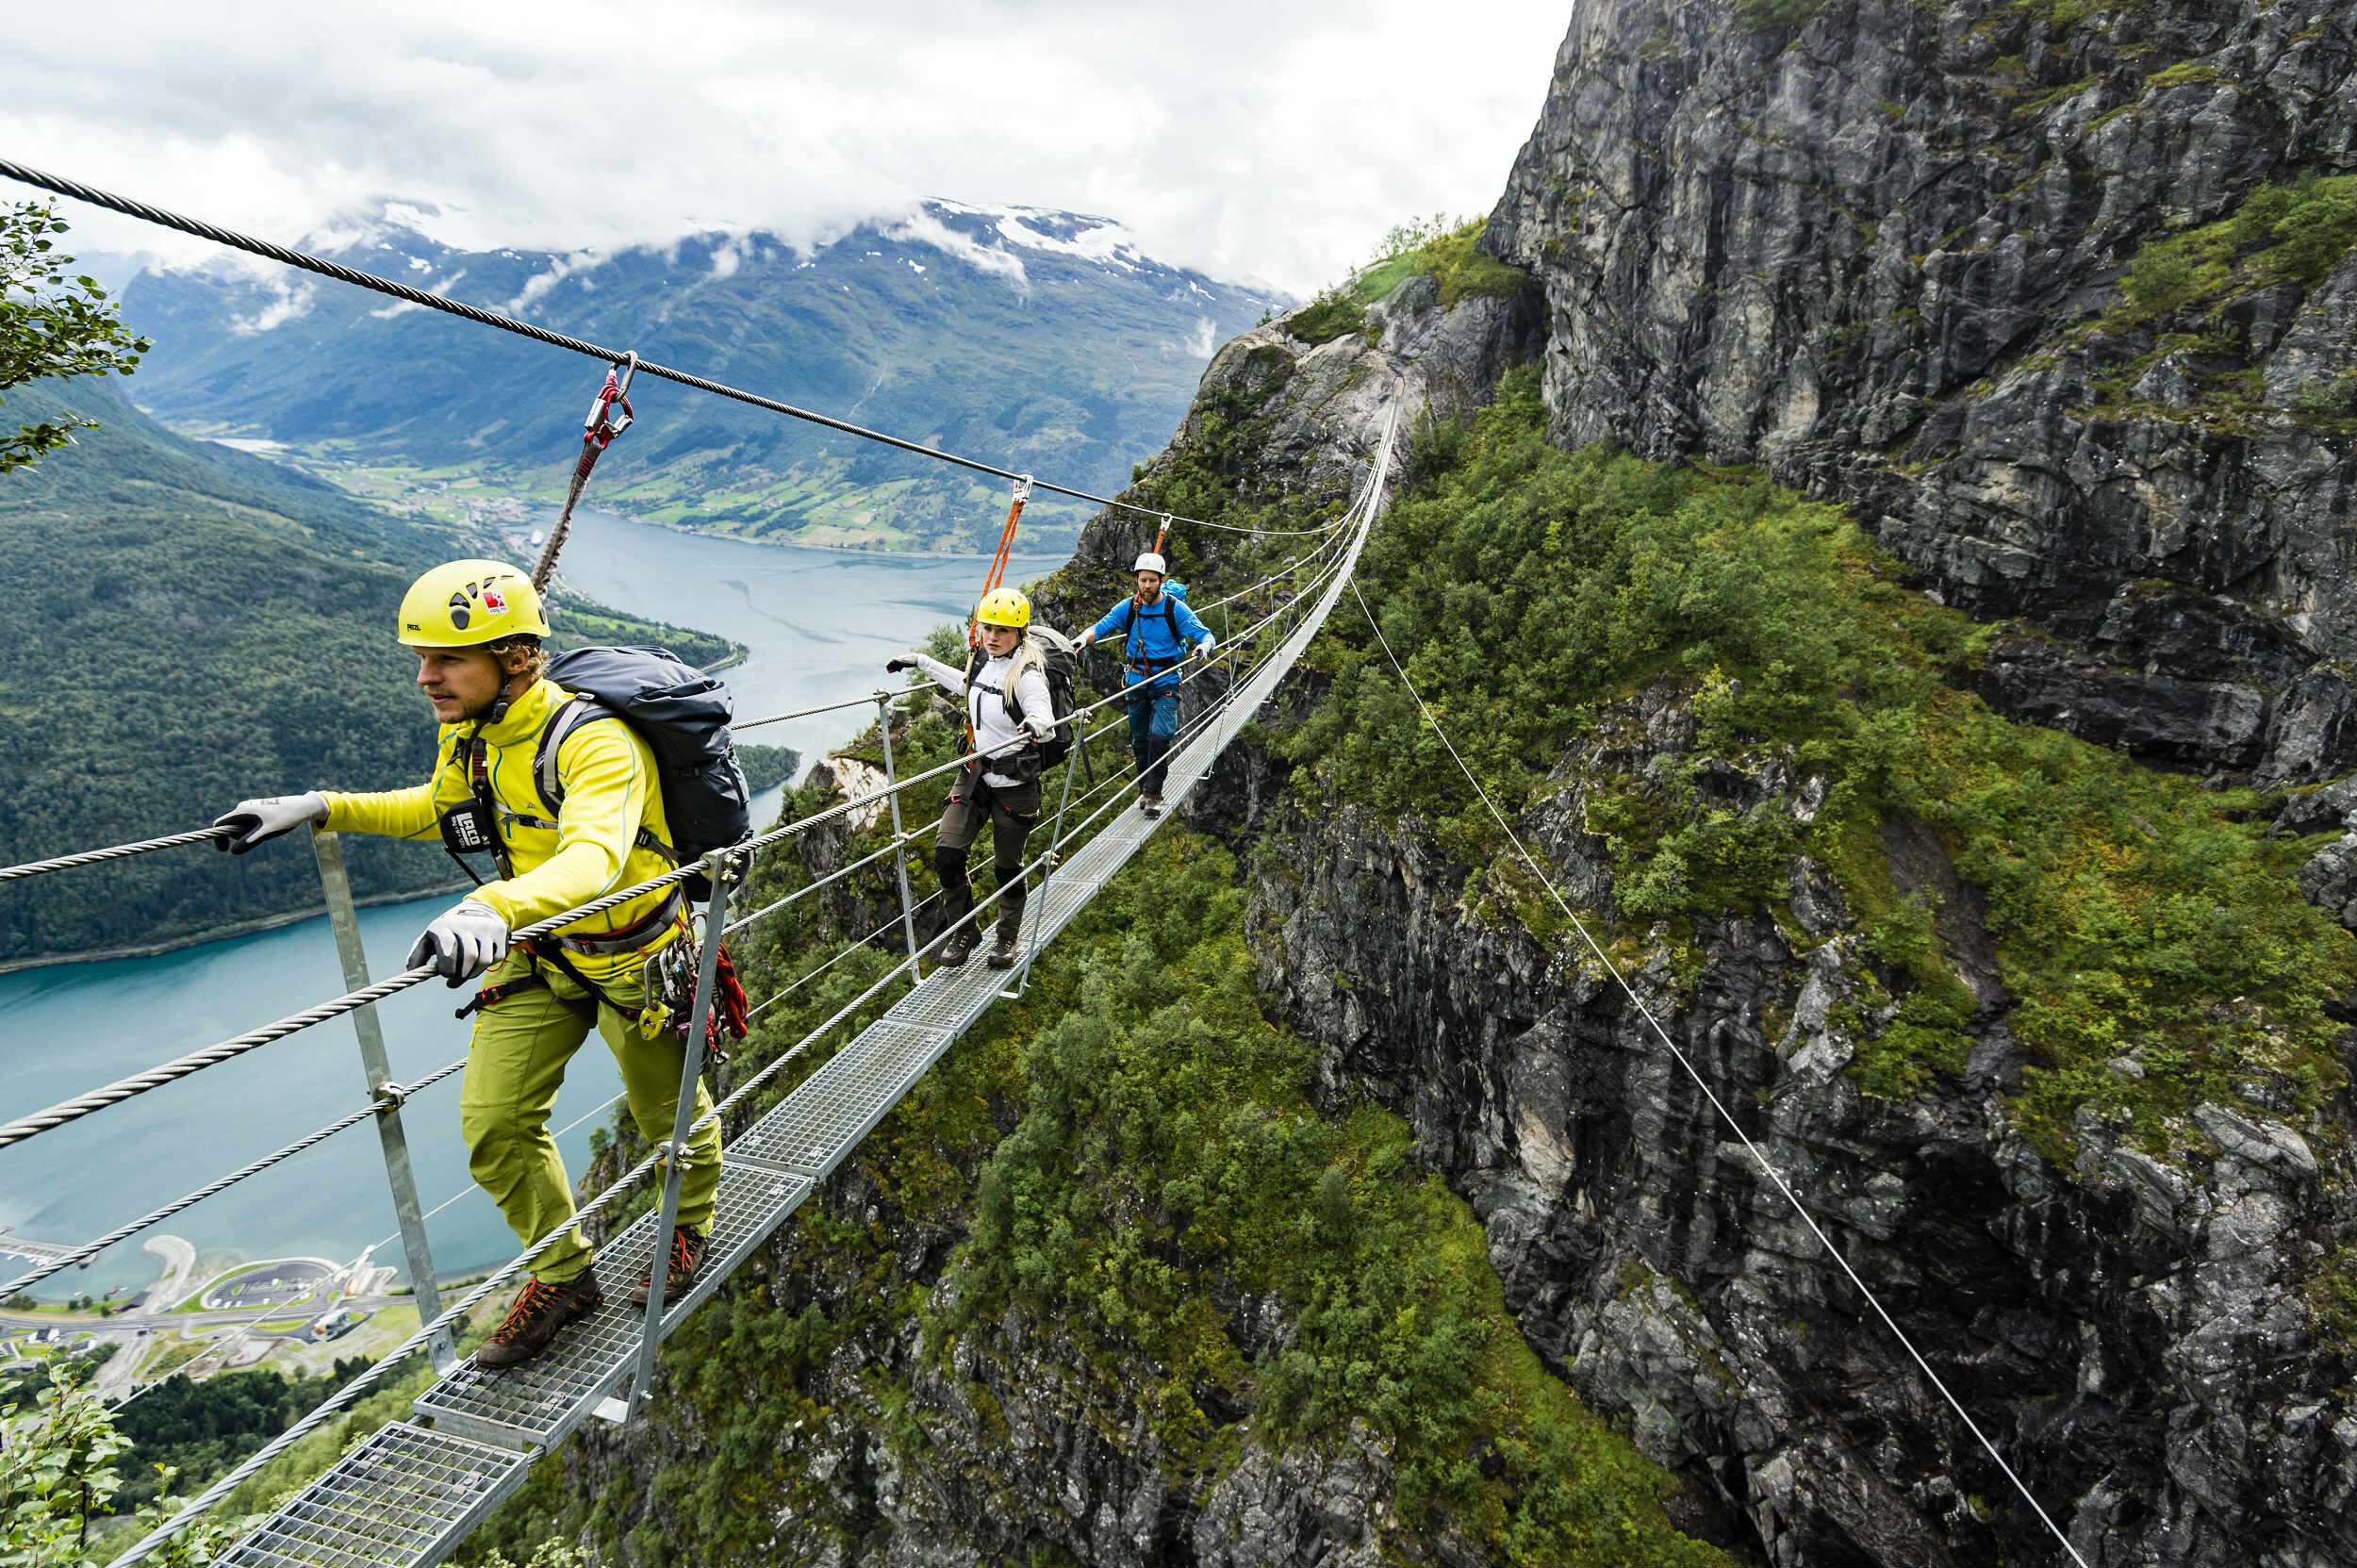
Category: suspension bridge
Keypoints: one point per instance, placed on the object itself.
(414, 1489)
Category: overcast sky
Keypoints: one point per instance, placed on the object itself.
(1257, 140)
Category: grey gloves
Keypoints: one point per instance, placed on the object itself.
(465, 940)
(259, 821)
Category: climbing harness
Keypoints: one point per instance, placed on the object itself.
(597, 432)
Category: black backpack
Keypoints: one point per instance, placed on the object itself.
(683, 714)
(1061, 662)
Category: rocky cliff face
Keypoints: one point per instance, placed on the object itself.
(1879, 248)
(2133, 1335)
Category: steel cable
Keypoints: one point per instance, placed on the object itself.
(92, 1248)
(117, 851)
(165, 218)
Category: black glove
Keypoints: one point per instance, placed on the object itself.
(894, 666)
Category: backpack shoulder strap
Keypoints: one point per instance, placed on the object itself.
(576, 712)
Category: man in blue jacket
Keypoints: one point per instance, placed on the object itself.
(1156, 627)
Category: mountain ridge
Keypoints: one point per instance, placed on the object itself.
(1035, 339)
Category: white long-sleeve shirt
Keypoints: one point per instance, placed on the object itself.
(995, 733)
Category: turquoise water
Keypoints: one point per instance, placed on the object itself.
(819, 624)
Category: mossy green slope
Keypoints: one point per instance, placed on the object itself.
(2137, 914)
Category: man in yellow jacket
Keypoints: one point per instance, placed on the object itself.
(476, 628)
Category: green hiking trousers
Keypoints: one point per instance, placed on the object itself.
(514, 1066)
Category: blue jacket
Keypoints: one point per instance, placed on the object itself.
(1153, 640)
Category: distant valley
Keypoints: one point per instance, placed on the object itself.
(1040, 340)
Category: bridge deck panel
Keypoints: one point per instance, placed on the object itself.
(532, 1406)
(405, 1496)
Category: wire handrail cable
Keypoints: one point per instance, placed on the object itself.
(824, 707)
(115, 852)
(345, 1395)
(155, 1216)
(1759, 1156)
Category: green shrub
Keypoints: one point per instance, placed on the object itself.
(1331, 315)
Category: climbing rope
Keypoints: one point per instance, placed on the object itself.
(597, 432)
(1759, 1156)
(999, 562)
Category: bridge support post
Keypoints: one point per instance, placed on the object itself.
(344, 916)
(886, 708)
(724, 870)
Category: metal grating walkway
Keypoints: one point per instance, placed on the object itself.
(532, 1406)
(408, 1494)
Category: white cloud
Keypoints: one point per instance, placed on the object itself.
(291, 295)
(1249, 140)
(923, 228)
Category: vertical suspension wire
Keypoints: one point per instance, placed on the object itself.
(1759, 1156)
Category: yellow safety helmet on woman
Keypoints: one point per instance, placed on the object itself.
(1004, 607)
(466, 603)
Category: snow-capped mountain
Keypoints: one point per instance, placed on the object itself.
(1041, 340)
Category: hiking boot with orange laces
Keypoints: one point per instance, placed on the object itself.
(687, 1260)
(535, 1317)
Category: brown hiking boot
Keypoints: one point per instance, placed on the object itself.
(687, 1260)
(535, 1317)
(1002, 952)
(960, 945)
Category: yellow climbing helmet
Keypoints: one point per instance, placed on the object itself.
(1004, 607)
(466, 603)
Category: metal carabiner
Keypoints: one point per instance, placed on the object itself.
(601, 426)
(1023, 490)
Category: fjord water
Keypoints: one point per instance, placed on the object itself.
(820, 625)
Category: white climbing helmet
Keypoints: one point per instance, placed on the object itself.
(1153, 563)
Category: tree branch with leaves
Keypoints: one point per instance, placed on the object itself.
(52, 326)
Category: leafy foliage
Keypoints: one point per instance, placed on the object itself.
(59, 1476)
(51, 327)
(1435, 248)
(199, 1429)
(1169, 1155)
(2179, 296)
(1533, 593)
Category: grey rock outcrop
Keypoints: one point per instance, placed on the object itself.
(1880, 252)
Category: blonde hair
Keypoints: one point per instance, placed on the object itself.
(536, 662)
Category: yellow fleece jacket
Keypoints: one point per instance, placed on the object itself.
(611, 791)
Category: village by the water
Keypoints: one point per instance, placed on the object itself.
(209, 1312)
